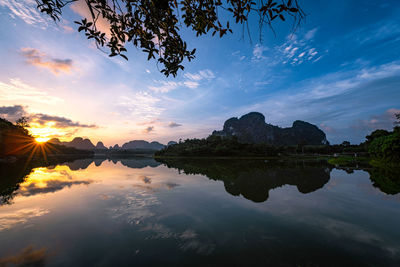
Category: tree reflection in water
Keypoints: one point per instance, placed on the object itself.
(253, 179)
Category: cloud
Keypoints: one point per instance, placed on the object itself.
(164, 86)
(140, 105)
(173, 124)
(80, 7)
(25, 10)
(12, 113)
(191, 76)
(258, 51)
(68, 29)
(207, 74)
(310, 34)
(39, 119)
(381, 121)
(336, 100)
(149, 129)
(327, 129)
(192, 81)
(59, 122)
(191, 84)
(39, 59)
(17, 91)
(10, 219)
(297, 50)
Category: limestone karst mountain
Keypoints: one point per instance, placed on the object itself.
(252, 128)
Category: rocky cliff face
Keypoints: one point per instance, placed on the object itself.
(252, 128)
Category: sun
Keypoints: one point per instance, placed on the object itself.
(41, 139)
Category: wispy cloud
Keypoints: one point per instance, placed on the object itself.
(164, 86)
(140, 105)
(191, 80)
(17, 91)
(67, 29)
(39, 59)
(25, 10)
(298, 49)
(191, 84)
(258, 51)
(11, 219)
(381, 121)
(310, 34)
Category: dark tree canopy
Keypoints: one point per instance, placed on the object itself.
(154, 26)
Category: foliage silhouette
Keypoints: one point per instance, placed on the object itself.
(155, 26)
(385, 145)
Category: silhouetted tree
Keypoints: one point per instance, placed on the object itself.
(22, 122)
(155, 26)
(345, 143)
(398, 118)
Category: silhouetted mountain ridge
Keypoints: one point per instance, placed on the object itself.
(81, 143)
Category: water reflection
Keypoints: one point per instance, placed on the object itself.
(29, 256)
(251, 179)
(254, 179)
(140, 212)
(21, 179)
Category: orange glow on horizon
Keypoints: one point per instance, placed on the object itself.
(42, 139)
(43, 133)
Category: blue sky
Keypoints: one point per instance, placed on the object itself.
(340, 70)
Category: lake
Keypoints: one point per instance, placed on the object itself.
(140, 212)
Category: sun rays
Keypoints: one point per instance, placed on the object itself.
(42, 139)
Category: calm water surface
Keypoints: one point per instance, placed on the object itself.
(138, 212)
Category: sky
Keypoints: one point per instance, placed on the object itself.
(340, 70)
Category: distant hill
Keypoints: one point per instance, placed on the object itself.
(100, 145)
(141, 144)
(252, 129)
(77, 142)
(80, 143)
(170, 143)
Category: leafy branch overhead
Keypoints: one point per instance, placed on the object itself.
(154, 26)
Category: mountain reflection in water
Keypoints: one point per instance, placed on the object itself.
(143, 212)
(254, 179)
